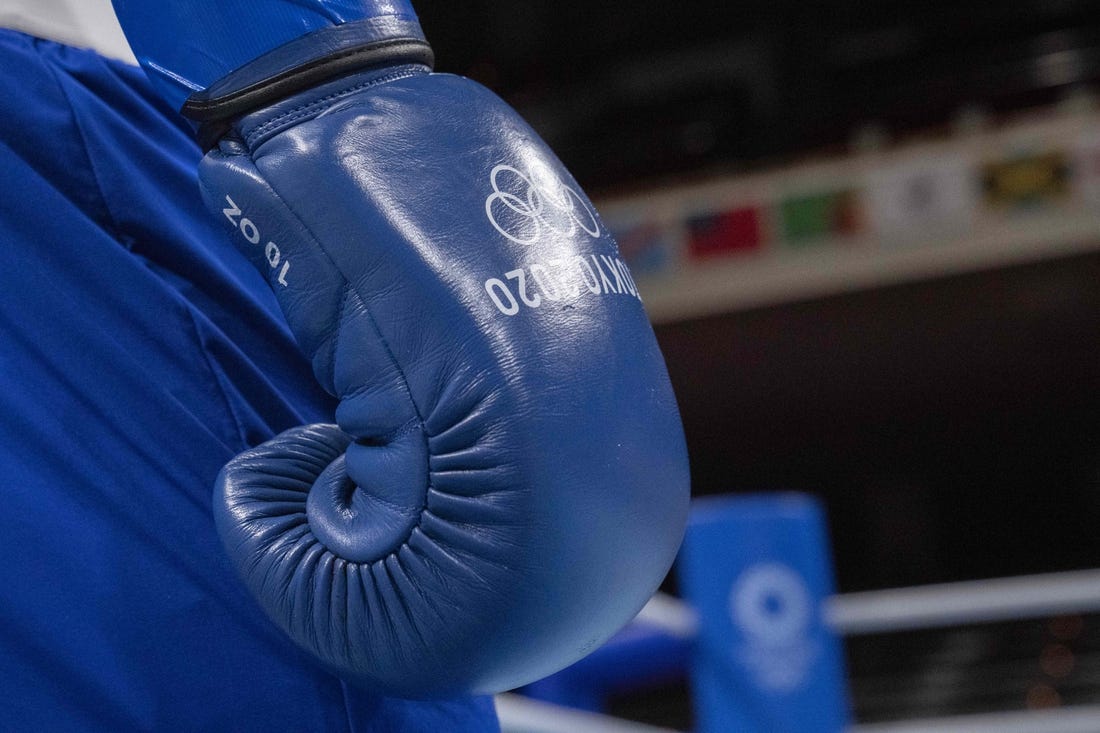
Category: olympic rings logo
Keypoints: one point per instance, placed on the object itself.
(524, 207)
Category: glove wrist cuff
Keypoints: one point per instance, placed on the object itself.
(303, 63)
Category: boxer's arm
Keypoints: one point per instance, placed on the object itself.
(186, 45)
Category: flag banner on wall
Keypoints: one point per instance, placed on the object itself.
(928, 198)
(647, 246)
(1027, 181)
(807, 218)
(951, 204)
(734, 231)
(1086, 167)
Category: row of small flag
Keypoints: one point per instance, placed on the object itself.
(920, 199)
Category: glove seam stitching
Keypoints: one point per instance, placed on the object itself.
(334, 339)
(352, 292)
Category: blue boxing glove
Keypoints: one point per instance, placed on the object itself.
(508, 483)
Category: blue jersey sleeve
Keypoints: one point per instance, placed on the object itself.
(139, 352)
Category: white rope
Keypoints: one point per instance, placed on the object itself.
(670, 615)
(1081, 719)
(956, 604)
(899, 609)
(522, 715)
(926, 606)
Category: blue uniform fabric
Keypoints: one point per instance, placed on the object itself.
(139, 352)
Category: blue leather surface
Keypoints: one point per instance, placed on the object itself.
(516, 486)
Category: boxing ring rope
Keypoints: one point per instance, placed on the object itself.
(873, 612)
(519, 715)
(926, 606)
(1080, 719)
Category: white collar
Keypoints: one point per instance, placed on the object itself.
(82, 23)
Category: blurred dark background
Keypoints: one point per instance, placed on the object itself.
(951, 425)
(643, 89)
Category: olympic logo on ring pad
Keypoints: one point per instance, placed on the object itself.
(771, 604)
(525, 207)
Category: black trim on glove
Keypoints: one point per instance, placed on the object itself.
(295, 67)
